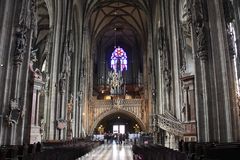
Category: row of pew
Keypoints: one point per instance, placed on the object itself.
(187, 151)
(211, 151)
(49, 150)
(155, 152)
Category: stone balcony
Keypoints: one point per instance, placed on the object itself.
(134, 106)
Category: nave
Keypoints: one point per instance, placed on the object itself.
(111, 151)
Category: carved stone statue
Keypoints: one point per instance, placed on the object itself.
(161, 40)
(167, 78)
(42, 126)
(14, 113)
(201, 39)
(62, 82)
(21, 44)
(37, 74)
(186, 17)
(231, 42)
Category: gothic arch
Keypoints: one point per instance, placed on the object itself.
(112, 111)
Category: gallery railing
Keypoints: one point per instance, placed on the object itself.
(172, 126)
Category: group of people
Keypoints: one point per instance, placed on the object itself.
(118, 138)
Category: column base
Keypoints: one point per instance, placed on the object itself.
(35, 135)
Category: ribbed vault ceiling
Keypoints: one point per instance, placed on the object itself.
(122, 20)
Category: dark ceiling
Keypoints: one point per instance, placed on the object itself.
(113, 22)
(110, 22)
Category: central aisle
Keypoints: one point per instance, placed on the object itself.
(110, 152)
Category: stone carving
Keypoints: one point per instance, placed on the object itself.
(45, 78)
(68, 50)
(33, 9)
(42, 126)
(200, 29)
(21, 44)
(228, 11)
(61, 124)
(183, 66)
(185, 33)
(27, 20)
(167, 78)
(188, 8)
(197, 6)
(164, 57)
(62, 82)
(117, 103)
(201, 40)
(71, 43)
(187, 17)
(231, 42)
(37, 74)
(229, 17)
(69, 117)
(14, 113)
(170, 125)
(28, 14)
(67, 62)
(238, 103)
(161, 40)
(25, 14)
(82, 71)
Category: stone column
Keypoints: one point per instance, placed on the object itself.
(77, 60)
(81, 115)
(62, 106)
(222, 77)
(69, 119)
(19, 74)
(234, 81)
(59, 33)
(46, 118)
(185, 102)
(85, 81)
(167, 82)
(159, 81)
(199, 33)
(79, 119)
(204, 74)
(35, 135)
(7, 15)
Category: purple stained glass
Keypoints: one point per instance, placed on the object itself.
(119, 55)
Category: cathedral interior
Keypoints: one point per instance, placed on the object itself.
(72, 69)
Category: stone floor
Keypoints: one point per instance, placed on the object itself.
(110, 152)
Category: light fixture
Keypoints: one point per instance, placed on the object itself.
(115, 26)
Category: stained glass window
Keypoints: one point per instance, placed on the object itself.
(119, 59)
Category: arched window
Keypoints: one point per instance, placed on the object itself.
(44, 66)
(119, 59)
